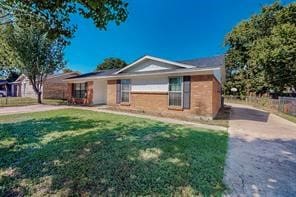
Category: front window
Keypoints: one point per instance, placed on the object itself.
(125, 90)
(79, 90)
(175, 91)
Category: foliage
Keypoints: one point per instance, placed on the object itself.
(80, 152)
(54, 20)
(58, 13)
(67, 70)
(13, 75)
(9, 74)
(261, 51)
(32, 51)
(111, 63)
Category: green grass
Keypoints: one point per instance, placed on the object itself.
(286, 116)
(79, 152)
(23, 101)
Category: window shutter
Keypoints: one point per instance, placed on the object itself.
(73, 89)
(118, 91)
(186, 92)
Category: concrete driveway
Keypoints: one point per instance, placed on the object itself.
(261, 158)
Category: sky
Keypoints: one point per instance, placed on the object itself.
(169, 29)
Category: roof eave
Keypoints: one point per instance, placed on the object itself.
(155, 59)
(180, 71)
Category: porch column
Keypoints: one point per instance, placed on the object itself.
(90, 91)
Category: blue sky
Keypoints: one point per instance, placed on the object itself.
(171, 29)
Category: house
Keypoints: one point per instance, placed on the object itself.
(189, 88)
(3, 87)
(54, 86)
(7, 88)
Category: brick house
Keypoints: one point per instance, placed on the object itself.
(181, 89)
(54, 86)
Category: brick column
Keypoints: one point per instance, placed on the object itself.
(111, 92)
(89, 96)
(69, 92)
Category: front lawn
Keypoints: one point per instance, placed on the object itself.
(73, 151)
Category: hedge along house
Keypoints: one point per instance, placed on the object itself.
(181, 89)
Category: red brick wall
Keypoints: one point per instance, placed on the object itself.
(56, 87)
(216, 98)
(149, 101)
(205, 99)
(55, 90)
(88, 100)
(201, 95)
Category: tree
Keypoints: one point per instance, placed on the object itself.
(111, 63)
(34, 33)
(67, 70)
(57, 13)
(34, 52)
(277, 56)
(13, 75)
(257, 50)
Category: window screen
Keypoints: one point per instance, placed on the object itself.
(125, 90)
(175, 91)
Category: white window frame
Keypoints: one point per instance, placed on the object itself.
(84, 91)
(129, 90)
(175, 91)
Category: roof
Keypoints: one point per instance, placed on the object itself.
(147, 57)
(3, 81)
(206, 62)
(193, 64)
(99, 73)
(62, 74)
(53, 77)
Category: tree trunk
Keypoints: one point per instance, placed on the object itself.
(39, 97)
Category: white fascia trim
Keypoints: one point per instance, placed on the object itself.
(62, 74)
(155, 59)
(175, 72)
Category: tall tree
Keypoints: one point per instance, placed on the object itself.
(34, 33)
(111, 63)
(67, 70)
(58, 12)
(34, 52)
(260, 47)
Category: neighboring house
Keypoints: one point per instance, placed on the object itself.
(3, 87)
(7, 88)
(24, 87)
(54, 86)
(186, 89)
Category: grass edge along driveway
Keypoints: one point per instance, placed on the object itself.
(73, 151)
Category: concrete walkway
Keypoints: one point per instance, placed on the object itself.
(38, 108)
(261, 158)
(163, 119)
(29, 108)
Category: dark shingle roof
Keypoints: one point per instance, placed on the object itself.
(100, 73)
(3, 81)
(206, 62)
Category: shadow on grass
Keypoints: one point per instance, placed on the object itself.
(103, 157)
